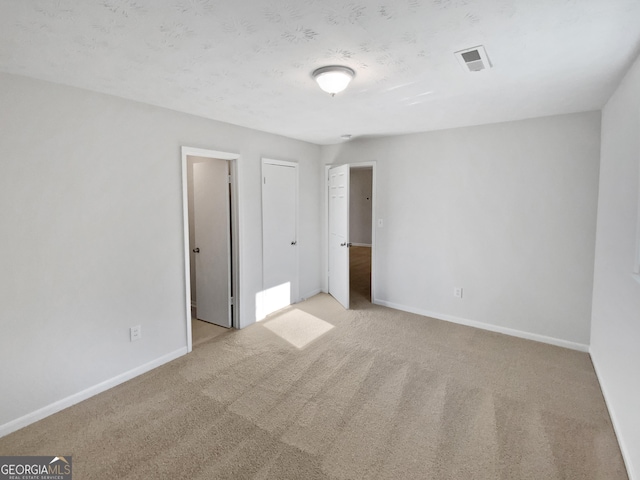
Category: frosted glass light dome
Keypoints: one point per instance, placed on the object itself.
(333, 79)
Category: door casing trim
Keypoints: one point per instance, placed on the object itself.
(236, 233)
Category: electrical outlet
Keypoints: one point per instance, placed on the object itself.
(457, 292)
(136, 333)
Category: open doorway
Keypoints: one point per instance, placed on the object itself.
(360, 233)
(350, 233)
(210, 217)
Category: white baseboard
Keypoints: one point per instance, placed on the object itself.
(616, 424)
(310, 294)
(360, 244)
(487, 326)
(55, 407)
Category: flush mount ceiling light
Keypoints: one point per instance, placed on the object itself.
(334, 78)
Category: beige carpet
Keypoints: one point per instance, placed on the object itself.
(316, 392)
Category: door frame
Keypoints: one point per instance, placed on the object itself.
(285, 163)
(374, 201)
(233, 158)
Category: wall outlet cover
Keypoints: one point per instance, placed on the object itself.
(135, 333)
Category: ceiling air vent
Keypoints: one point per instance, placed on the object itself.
(474, 59)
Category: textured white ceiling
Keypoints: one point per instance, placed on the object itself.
(249, 62)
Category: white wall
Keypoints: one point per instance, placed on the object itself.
(506, 211)
(615, 327)
(360, 193)
(92, 236)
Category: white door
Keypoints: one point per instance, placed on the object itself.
(279, 235)
(212, 241)
(339, 234)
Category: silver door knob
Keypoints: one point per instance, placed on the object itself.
(196, 250)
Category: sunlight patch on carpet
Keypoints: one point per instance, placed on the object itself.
(297, 327)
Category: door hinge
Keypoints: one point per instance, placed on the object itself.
(229, 179)
(231, 301)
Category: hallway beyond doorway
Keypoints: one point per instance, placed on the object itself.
(359, 276)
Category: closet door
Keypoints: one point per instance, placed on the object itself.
(279, 234)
